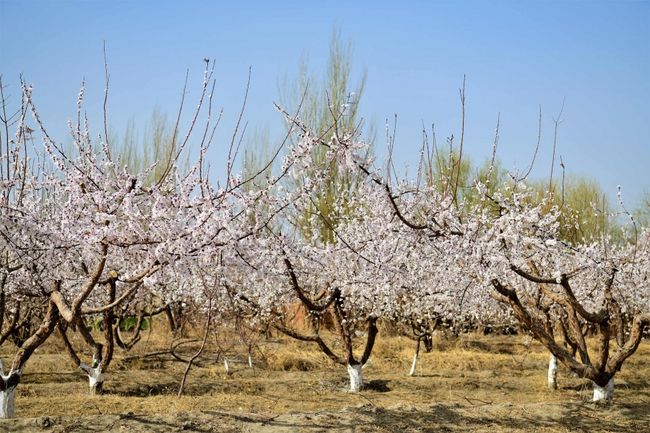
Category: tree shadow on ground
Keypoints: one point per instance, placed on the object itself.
(377, 385)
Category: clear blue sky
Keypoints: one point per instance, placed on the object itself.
(517, 55)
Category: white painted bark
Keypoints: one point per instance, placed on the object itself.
(356, 377)
(552, 373)
(604, 393)
(8, 395)
(95, 378)
(225, 365)
(8, 403)
(250, 361)
(414, 365)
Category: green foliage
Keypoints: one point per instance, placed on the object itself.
(583, 208)
(642, 214)
(323, 103)
(96, 323)
(157, 145)
(256, 164)
(494, 177)
(334, 102)
(442, 169)
(129, 323)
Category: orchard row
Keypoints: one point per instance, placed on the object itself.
(86, 239)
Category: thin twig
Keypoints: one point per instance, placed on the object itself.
(200, 351)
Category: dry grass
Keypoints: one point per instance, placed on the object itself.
(471, 378)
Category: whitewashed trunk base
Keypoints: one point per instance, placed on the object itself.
(8, 403)
(8, 396)
(414, 365)
(604, 393)
(552, 373)
(95, 378)
(356, 377)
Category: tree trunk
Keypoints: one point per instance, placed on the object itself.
(9, 382)
(171, 320)
(8, 394)
(356, 377)
(604, 393)
(552, 373)
(95, 378)
(7, 403)
(415, 359)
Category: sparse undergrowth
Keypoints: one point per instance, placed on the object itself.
(470, 383)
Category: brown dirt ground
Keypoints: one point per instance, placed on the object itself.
(473, 383)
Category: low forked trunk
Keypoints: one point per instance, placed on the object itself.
(604, 393)
(356, 377)
(95, 378)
